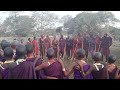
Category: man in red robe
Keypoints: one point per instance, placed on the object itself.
(80, 41)
(61, 46)
(97, 43)
(106, 42)
(35, 45)
(29, 41)
(47, 42)
(74, 48)
(55, 46)
(41, 46)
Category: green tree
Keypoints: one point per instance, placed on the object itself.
(93, 22)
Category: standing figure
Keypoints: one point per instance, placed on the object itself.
(61, 46)
(30, 56)
(35, 45)
(76, 69)
(55, 46)
(86, 44)
(112, 67)
(106, 42)
(51, 69)
(19, 69)
(80, 41)
(29, 41)
(74, 48)
(97, 43)
(22, 42)
(92, 44)
(98, 70)
(41, 46)
(68, 46)
(47, 43)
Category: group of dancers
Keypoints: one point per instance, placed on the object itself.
(67, 46)
(21, 60)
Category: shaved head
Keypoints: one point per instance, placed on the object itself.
(8, 52)
(20, 50)
(80, 53)
(29, 48)
(50, 53)
(97, 56)
(111, 58)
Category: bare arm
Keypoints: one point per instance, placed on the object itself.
(64, 71)
(41, 66)
(117, 76)
(87, 73)
(48, 77)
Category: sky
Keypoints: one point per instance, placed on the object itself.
(61, 13)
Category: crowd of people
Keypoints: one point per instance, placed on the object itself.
(43, 58)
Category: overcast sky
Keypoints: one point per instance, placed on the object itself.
(61, 13)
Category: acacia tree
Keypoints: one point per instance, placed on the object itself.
(44, 20)
(93, 22)
(20, 25)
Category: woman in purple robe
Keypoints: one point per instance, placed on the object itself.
(98, 70)
(51, 69)
(76, 69)
(111, 67)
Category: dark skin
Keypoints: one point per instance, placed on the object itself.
(75, 64)
(110, 67)
(92, 68)
(7, 59)
(117, 75)
(45, 65)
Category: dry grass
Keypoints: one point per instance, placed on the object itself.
(115, 49)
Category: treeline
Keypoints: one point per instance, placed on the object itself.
(44, 22)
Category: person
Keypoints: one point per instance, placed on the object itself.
(61, 46)
(98, 70)
(86, 44)
(6, 67)
(22, 42)
(29, 41)
(4, 44)
(42, 46)
(14, 44)
(68, 46)
(55, 46)
(92, 45)
(30, 56)
(47, 42)
(25, 69)
(97, 43)
(35, 44)
(80, 41)
(80, 55)
(52, 69)
(111, 67)
(74, 48)
(105, 45)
